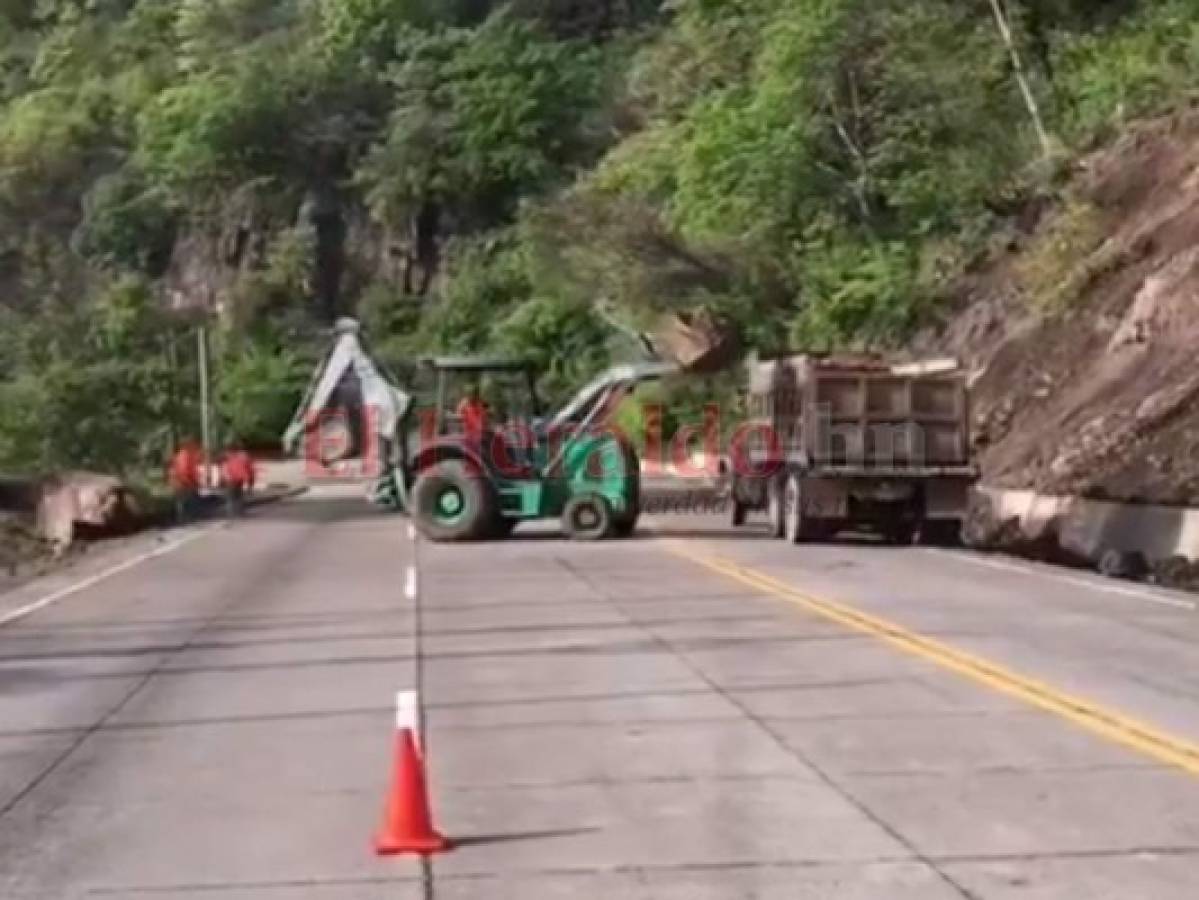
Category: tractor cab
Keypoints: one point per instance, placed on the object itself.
(482, 410)
(503, 391)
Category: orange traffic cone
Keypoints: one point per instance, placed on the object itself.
(408, 820)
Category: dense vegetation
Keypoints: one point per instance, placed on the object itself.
(477, 174)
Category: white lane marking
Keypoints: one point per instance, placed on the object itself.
(1144, 594)
(411, 587)
(412, 533)
(92, 580)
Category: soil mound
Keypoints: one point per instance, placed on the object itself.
(1082, 335)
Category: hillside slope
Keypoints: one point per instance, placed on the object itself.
(1082, 335)
(503, 176)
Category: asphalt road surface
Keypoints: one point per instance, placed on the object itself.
(694, 714)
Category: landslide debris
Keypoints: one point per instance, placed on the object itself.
(1082, 333)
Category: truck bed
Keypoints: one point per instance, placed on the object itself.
(860, 413)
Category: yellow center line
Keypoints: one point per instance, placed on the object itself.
(1114, 726)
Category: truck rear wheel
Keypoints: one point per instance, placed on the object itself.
(901, 534)
(798, 528)
(941, 533)
(776, 509)
(451, 504)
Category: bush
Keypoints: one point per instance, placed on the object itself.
(23, 444)
(94, 386)
(127, 224)
(391, 319)
(257, 390)
(220, 128)
(565, 341)
(47, 138)
(480, 118)
(105, 415)
(856, 294)
(1138, 66)
(487, 277)
(1054, 271)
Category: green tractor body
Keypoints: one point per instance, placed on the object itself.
(460, 482)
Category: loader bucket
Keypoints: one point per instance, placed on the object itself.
(698, 343)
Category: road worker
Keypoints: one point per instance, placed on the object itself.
(238, 477)
(183, 474)
(473, 412)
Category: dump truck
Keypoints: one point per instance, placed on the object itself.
(838, 442)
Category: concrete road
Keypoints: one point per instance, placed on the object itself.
(694, 714)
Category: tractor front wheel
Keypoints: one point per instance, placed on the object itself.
(449, 503)
(588, 518)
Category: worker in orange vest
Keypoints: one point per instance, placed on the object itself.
(238, 476)
(183, 474)
(473, 412)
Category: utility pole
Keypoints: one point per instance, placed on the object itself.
(205, 416)
(1003, 22)
(172, 356)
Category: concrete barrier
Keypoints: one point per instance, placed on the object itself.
(1089, 528)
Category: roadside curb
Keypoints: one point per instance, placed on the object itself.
(1090, 528)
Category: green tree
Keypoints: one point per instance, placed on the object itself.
(481, 119)
(258, 388)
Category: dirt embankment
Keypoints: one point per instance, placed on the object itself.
(1082, 334)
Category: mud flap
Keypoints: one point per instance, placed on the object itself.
(946, 498)
(825, 498)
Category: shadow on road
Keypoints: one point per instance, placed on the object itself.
(25, 679)
(484, 840)
(690, 532)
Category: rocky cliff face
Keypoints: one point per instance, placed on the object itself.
(339, 250)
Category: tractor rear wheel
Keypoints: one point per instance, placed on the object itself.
(449, 503)
(588, 517)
